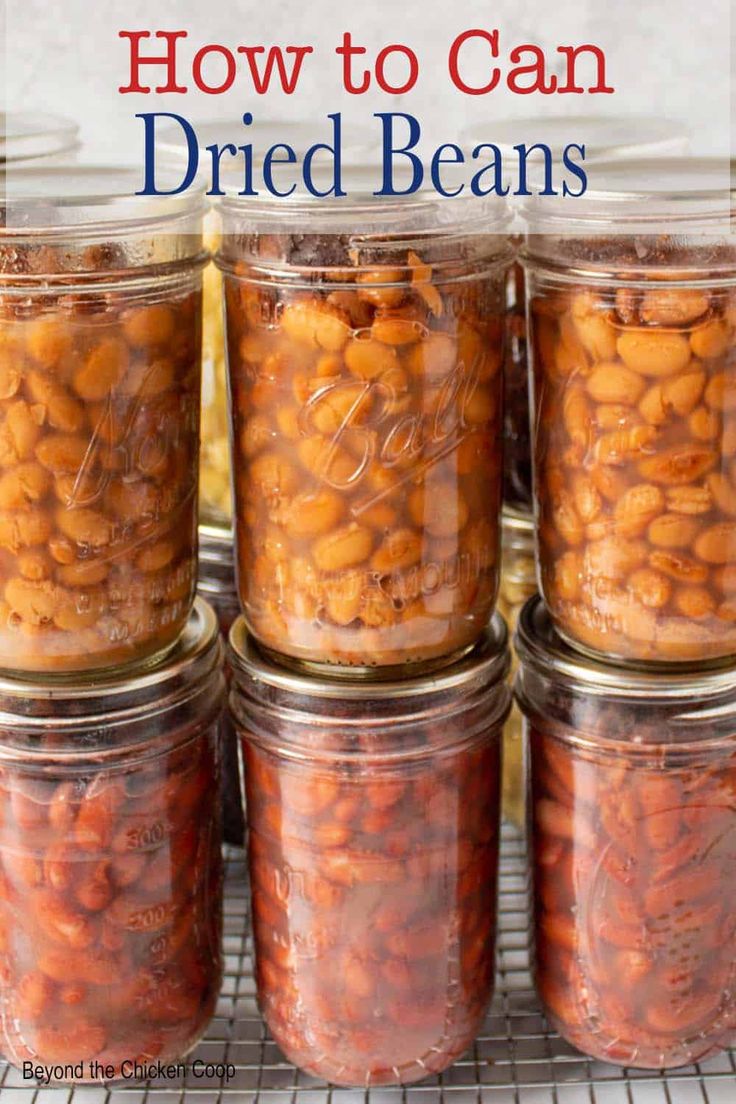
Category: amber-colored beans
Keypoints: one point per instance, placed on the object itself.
(374, 907)
(633, 441)
(110, 907)
(98, 451)
(635, 911)
(366, 441)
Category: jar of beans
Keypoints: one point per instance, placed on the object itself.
(217, 586)
(365, 346)
(518, 584)
(373, 829)
(110, 868)
(633, 321)
(633, 828)
(99, 418)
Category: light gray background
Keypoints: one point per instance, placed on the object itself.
(666, 57)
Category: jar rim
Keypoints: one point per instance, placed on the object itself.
(29, 135)
(115, 698)
(488, 659)
(542, 649)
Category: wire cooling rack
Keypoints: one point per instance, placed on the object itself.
(516, 1059)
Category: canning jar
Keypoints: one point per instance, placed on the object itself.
(29, 136)
(365, 375)
(633, 830)
(217, 585)
(373, 825)
(518, 583)
(603, 138)
(110, 868)
(633, 319)
(99, 418)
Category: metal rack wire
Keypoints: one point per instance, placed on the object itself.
(516, 1059)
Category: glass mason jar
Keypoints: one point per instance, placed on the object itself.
(110, 867)
(217, 585)
(518, 583)
(365, 352)
(100, 325)
(633, 830)
(30, 136)
(633, 319)
(373, 833)
(604, 137)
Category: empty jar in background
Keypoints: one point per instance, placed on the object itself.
(603, 138)
(100, 326)
(110, 864)
(633, 845)
(365, 348)
(217, 585)
(518, 584)
(632, 308)
(27, 137)
(373, 834)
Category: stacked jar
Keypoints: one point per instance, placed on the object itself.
(365, 347)
(111, 687)
(603, 138)
(627, 677)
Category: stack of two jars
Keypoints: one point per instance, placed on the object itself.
(628, 661)
(111, 679)
(365, 350)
